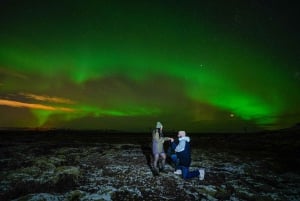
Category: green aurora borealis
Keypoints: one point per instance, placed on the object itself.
(205, 66)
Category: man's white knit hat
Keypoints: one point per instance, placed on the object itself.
(158, 125)
(182, 133)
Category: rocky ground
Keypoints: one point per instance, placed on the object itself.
(41, 168)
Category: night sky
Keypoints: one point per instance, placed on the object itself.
(201, 66)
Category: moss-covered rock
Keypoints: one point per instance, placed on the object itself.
(65, 178)
(75, 195)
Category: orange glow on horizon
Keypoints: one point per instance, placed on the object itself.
(47, 98)
(11, 103)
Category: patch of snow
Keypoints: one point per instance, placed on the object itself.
(95, 196)
(209, 188)
(132, 190)
(41, 196)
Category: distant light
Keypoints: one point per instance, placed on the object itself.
(231, 115)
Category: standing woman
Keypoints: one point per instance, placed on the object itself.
(158, 148)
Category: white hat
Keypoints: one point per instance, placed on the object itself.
(182, 133)
(158, 125)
